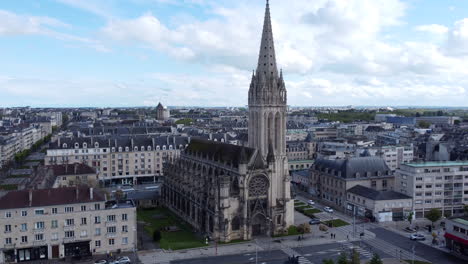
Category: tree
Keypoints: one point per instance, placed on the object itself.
(434, 215)
(343, 258)
(456, 122)
(410, 217)
(375, 260)
(156, 235)
(328, 261)
(465, 208)
(424, 124)
(355, 258)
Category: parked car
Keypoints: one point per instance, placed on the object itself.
(314, 221)
(121, 260)
(311, 202)
(328, 209)
(417, 237)
(410, 230)
(101, 261)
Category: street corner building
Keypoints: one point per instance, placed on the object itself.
(238, 192)
(64, 223)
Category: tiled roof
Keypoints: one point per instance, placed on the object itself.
(49, 197)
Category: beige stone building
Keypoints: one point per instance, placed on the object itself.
(381, 206)
(63, 223)
(331, 179)
(70, 175)
(119, 159)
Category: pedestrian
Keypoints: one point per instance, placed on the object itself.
(347, 237)
(331, 235)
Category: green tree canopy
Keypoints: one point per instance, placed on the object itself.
(375, 260)
(434, 215)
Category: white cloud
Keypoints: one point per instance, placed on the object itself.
(433, 28)
(333, 52)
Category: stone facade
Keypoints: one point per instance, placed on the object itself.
(52, 223)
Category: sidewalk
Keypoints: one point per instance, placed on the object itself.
(262, 244)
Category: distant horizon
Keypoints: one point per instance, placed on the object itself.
(245, 106)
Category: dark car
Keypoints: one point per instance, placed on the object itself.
(314, 221)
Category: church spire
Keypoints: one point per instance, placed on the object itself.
(267, 58)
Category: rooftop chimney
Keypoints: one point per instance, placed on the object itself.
(30, 197)
(77, 192)
(91, 195)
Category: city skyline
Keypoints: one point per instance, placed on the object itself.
(68, 53)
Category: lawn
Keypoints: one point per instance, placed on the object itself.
(336, 223)
(159, 218)
(292, 230)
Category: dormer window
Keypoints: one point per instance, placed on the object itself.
(64, 145)
(135, 148)
(77, 145)
(120, 149)
(85, 145)
(170, 147)
(127, 149)
(96, 144)
(113, 149)
(158, 148)
(148, 148)
(142, 148)
(164, 147)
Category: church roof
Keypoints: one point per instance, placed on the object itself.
(221, 152)
(267, 58)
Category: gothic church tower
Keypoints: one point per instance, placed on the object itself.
(267, 120)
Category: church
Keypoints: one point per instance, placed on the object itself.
(231, 192)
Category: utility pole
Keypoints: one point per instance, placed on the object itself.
(256, 252)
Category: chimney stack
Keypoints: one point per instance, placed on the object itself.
(30, 197)
(77, 192)
(91, 194)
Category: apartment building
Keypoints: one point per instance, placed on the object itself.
(331, 179)
(393, 156)
(19, 140)
(442, 185)
(119, 159)
(63, 223)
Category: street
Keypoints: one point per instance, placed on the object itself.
(422, 250)
(310, 255)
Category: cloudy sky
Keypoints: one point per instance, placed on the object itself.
(202, 52)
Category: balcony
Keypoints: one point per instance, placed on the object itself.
(111, 223)
(9, 246)
(69, 239)
(40, 243)
(68, 227)
(111, 235)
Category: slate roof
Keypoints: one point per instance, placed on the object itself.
(220, 152)
(351, 166)
(377, 195)
(49, 197)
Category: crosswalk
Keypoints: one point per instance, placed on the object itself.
(348, 231)
(392, 250)
(291, 252)
(362, 252)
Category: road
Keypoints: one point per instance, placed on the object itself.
(310, 255)
(270, 257)
(422, 250)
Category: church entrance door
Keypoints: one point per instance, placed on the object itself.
(259, 227)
